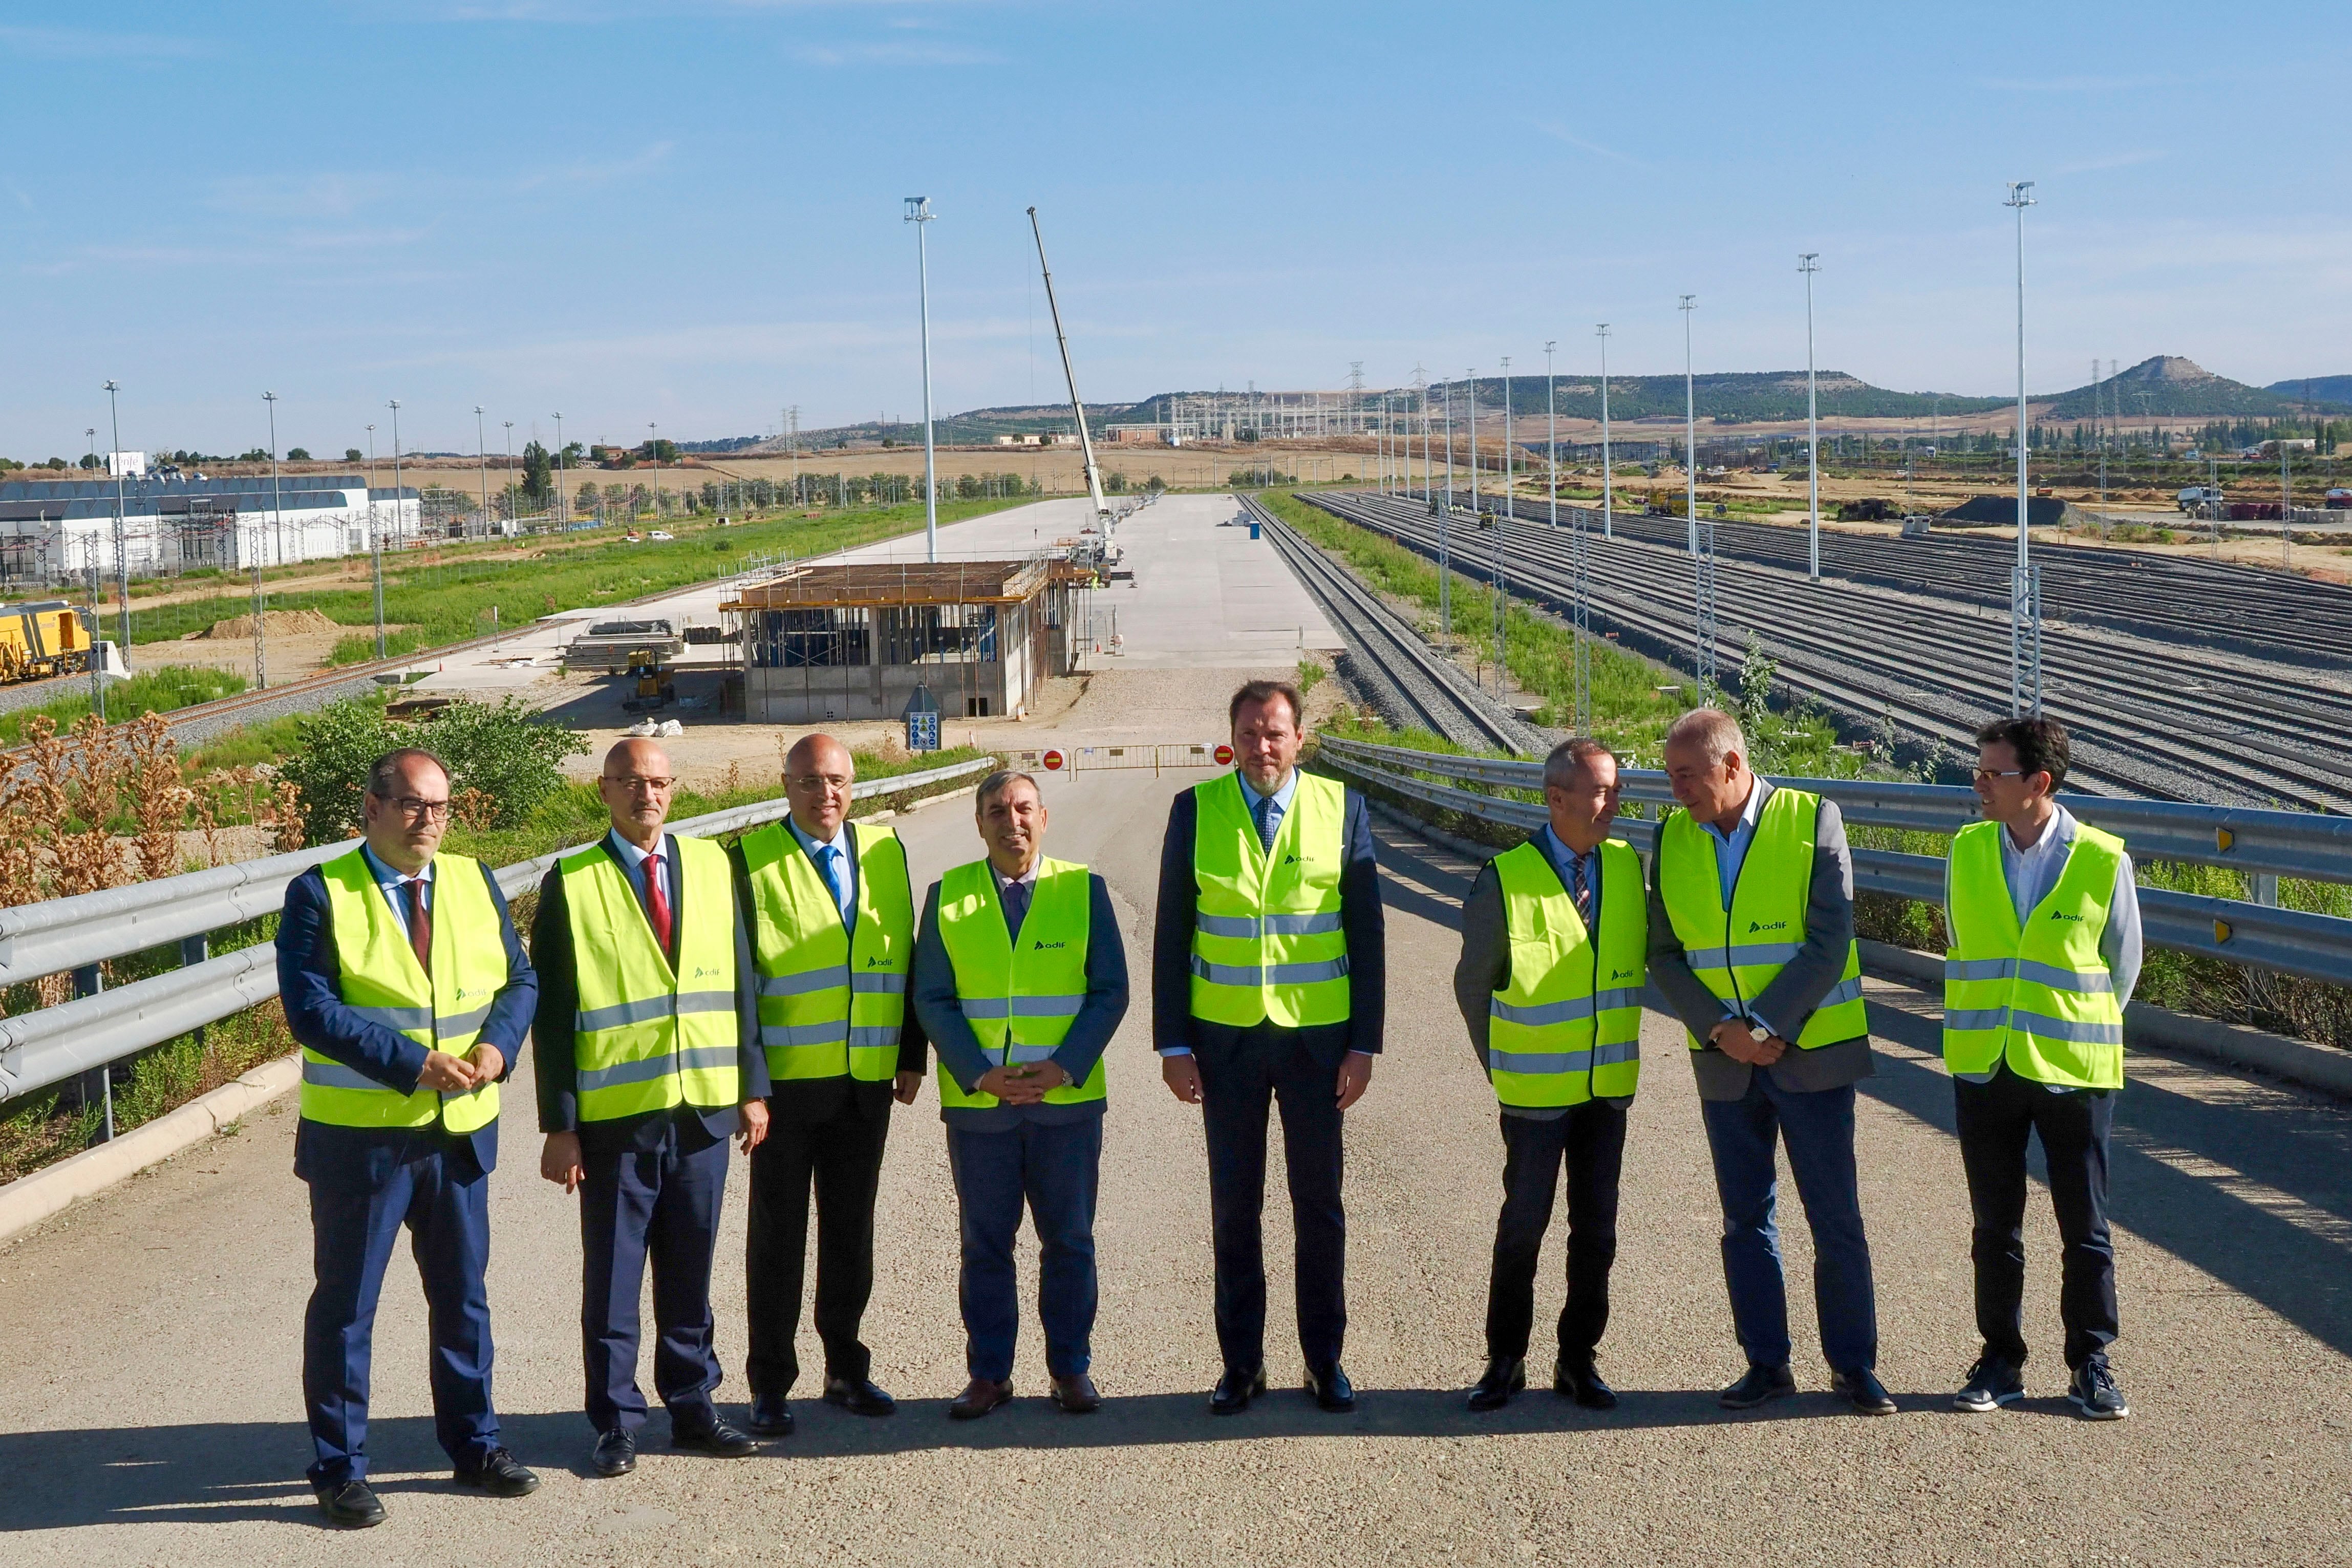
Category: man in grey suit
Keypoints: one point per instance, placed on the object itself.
(1751, 940)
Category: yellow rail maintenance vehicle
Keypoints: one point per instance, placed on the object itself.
(41, 639)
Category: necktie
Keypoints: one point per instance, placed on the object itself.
(656, 903)
(1268, 822)
(1581, 888)
(420, 923)
(828, 861)
(1016, 905)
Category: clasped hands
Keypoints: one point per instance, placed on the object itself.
(447, 1074)
(1731, 1037)
(1023, 1083)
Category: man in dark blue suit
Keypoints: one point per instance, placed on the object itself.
(408, 991)
(1268, 985)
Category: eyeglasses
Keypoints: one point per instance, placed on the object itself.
(650, 786)
(1987, 774)
(416, 809)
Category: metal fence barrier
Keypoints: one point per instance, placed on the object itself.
(2256, 934)
(40, 1049)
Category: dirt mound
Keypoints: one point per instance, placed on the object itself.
(274, 623)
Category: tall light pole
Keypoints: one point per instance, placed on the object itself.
(1608, 469)
(2024, 640)
(653, 460)
(1809, 264)
(918, 213)
(1446, 538)
(512, 495)
(1502, 598)
(560, 513)
(278, 512)
(482, 456)
(1507, 441)
(1551, 419)
(121, 529)
(375, 543)
(1690, 426)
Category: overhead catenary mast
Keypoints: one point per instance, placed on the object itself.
(1086, 442)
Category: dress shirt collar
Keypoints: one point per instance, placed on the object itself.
(1281, 797)
(810, 843)
(2058, 830)
(632, 858)
(387, 877)
(1026, 879)
(1747, 814)
(1556, 849)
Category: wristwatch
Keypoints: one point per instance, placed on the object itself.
(1758, 1033)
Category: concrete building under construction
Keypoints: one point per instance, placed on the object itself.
(853, 640)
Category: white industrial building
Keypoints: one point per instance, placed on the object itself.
(52, 530)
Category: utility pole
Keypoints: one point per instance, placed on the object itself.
(375, 543)
(1508, 450)
(277, 510)
(2024, 623)
(1690, 425)
(1608, 470)
(482, 455)
(1444, 537)
(918, 213)
(1551, 438)
(1502, 596)
(1809, 264)
(121, 528)
(512, 488)
(560, 513)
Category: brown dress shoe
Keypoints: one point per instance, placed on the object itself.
(1076, 1395)
(981, 1396)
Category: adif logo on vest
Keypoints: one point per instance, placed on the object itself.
(1756, 925)
(2062, 914)
(1041, 947)
(1622, 974)
(702, 973)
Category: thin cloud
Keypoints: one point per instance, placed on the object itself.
(1562, 133)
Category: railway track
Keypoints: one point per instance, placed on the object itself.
(2149, 717)
(1407, 680)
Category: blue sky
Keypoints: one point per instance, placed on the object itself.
(689, 213)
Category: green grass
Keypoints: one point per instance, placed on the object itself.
(450, 600)
(151, 691)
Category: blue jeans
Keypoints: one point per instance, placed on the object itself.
(1819, 1130)
(1056, 1170)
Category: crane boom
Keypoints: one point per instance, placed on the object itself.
(1085, 440)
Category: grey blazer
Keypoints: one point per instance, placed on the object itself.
(1789, 1000)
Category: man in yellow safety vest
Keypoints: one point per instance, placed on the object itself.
(408, 991)
(1550, 984)
(1752, 941)
(648, 1061)
(1021, 978)
(2043, 913)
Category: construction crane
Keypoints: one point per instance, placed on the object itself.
(1105, 523)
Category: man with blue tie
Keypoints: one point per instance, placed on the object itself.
(832, 917)
(649, 1061)
(408, 991)
(1268, 980)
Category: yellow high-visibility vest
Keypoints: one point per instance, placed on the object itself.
(1567, 1026)
(383, 981)
(831, 1003)
(647, 1036)
(2038, 995)
(1735, 952)
(1266, 940)
(1019, 997)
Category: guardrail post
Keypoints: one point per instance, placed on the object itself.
(195, 950)
(88, 982)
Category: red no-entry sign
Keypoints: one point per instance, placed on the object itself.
(1055, 762)
(1224, 756)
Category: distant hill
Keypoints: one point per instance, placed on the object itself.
(2319, 389)
(1726, 398)
(2172, 388)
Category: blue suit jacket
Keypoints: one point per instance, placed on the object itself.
(310, 983)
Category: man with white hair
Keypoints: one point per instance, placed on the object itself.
(1751, 939)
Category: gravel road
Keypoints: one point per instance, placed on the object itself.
(150, 1409)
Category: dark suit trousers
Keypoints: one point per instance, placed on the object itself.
(841, 1158)
(1995, 1119)
(660, 1203)
(1240, 1074)
(1055, 1169)
(443, 1199)
(1590, 1140)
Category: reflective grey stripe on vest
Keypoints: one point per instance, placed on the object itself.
(1539, 1061)
(1743, 956)
(1022, 1053)
(2082, 982)
(807, 980)
(399, 1020)
(700, 1059)
(1021, 1007)
(1617, 1051)
(870, 982)
(1572, 1010)
(1270, 975)
(335, 1075)
(1843, 991)
(833, 1032)
(462, 1023)
(622, 1014)
(705, 1001)
(1252, 926)
(1623, 997)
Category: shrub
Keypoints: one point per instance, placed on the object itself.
(499, 751)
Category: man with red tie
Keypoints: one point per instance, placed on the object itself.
(649, 1059)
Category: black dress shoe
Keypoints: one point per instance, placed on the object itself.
(981, 1396)
(771, 1417)
(1076, 1395)
(1864, 1391)
(349, 1505)
(1580, 1381)
(858, 1395)
(713, 1437)
(1330, 1387)
(616, 1453)
(1505, 1375)
(1235, 1389)
(500, 1474)
(1761, 1383)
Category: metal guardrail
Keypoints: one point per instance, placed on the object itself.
(2256, 935)
(47, 1047)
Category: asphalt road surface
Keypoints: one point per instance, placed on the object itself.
(149, 1404)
